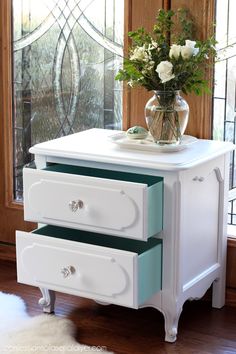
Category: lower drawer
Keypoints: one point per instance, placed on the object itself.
(110, 269)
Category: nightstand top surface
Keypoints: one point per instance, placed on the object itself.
(94, 145)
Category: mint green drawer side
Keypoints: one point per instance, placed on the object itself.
(155, 208)
(150, 273)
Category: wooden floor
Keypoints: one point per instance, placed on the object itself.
(126, 331)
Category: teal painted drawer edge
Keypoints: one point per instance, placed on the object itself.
(150, 273)
(155, 208)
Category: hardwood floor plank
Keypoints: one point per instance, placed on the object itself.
(7, 252)
(202, 329)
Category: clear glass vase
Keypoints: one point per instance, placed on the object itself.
(166, 116)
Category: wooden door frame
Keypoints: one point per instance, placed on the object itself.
(6, 102)
(11, 211)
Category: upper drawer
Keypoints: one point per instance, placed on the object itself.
(110, 269)
(117, 203)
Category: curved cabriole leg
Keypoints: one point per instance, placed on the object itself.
(47, 302)
(171, 324)
(171, 310)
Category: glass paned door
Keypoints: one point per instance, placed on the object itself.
(66, 54)
(224, 100)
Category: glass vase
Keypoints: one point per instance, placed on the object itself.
(166, 116)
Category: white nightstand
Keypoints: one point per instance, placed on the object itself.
(127, 227)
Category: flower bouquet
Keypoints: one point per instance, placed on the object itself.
(168, 61)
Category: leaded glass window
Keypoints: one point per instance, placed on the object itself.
(224, 101)
(66, 54)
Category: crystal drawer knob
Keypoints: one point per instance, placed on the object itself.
(74, 205)
(67, 271)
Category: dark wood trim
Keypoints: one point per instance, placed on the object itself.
(11, 204)
(142, 14)
(11, 212)
(166, 4)
(203, 14)
(231, 242)
(231, 264)
(6, 104)
(6, 94)
(230, 297)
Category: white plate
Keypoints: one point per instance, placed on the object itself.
(148, 144)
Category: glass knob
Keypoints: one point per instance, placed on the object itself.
(67, 271)
(74, 205)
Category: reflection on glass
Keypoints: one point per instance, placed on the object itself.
(66, 54)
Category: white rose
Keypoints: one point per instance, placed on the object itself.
(164, 70)
(189, 43)
(189, 49)
(175, 51)
(195, 51)
(186, 52)
(140, 54)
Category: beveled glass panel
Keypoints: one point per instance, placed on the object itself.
(66, 54)
(224, 103)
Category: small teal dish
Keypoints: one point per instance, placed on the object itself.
(137, 132)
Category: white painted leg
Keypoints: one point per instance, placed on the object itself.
(171, 324)
(47, 302)
(218, 293)
(171, 311)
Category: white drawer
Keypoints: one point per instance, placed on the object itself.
(110, 269)
(117, 203)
